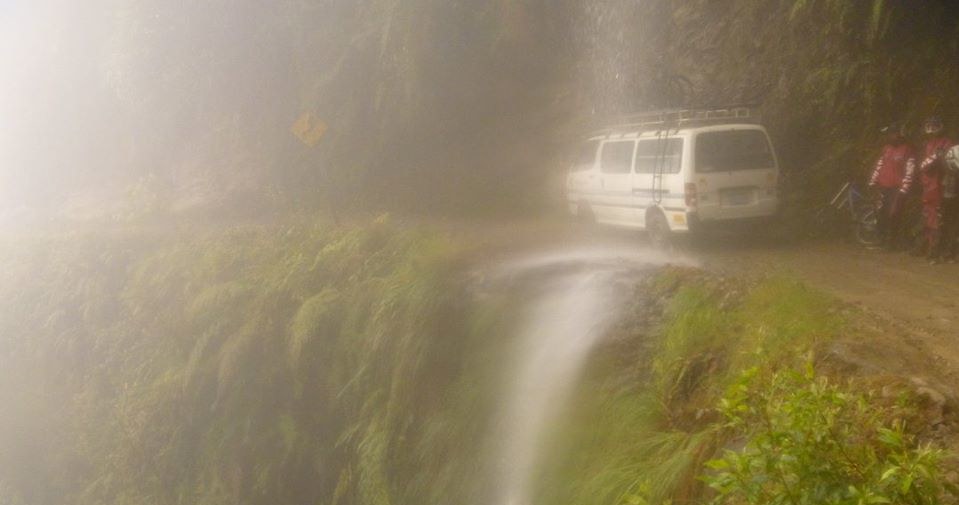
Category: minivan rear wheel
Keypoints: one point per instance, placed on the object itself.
(658, 229)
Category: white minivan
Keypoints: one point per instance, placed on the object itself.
(676, 172)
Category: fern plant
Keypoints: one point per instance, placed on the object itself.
(808, 442)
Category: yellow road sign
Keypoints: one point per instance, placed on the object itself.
(309, 129)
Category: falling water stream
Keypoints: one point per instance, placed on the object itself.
(579, 295)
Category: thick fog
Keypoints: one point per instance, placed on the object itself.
(483, 252)
(98, 96)
(113, 109)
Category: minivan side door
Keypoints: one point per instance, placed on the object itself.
(658, 161)
(615, 205)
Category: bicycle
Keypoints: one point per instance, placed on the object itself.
(862, 211)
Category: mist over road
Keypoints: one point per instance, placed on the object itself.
(894, 285)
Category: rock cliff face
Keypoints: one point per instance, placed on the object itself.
(450, 106)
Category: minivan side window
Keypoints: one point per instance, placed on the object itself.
(617, 157)
(726, 151)
(585, 156)
(659, 154)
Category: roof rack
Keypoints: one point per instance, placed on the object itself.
(677, 118)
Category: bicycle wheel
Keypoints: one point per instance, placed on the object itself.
(867, 230)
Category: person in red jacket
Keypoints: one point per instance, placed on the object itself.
(938, 186)
(950, 205)
(893, 176)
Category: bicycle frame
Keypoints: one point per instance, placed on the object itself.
(851, 197)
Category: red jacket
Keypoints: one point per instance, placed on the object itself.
(932, 170)
(895, 167)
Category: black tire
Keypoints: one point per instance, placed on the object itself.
(658, 229)
(867, 230)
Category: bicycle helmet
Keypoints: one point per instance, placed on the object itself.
(932, 125)
(952, 158)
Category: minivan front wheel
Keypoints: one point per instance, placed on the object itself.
(657, 228)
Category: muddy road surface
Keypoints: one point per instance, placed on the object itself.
(894, 285)
(906, 295)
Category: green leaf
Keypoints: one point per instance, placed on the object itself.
(718, 464)
(889, 473)
(906, 484)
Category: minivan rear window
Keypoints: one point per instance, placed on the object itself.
(617, 157)
(586, 155)
(726, 151)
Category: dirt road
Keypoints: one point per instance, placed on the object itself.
(914, 330)
(894, 285)
(915, 305)
(890, 284)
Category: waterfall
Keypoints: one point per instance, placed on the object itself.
(579, 295)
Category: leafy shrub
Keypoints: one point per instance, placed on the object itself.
(808, 442)
(644, 422)
(288, 363)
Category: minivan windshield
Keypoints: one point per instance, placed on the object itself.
(725, 151)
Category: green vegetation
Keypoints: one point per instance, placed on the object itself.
(810, 442)
(302, 362)
(308, 363)
(654, 408)
(277, 364)
(454, 106)
(829, 73)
